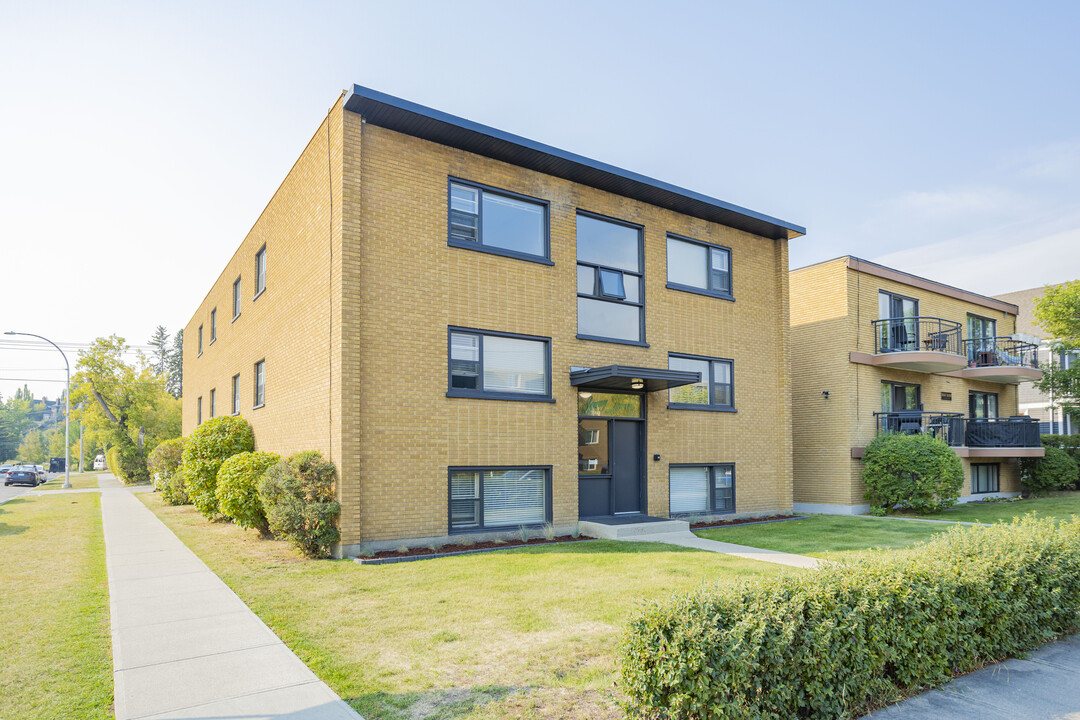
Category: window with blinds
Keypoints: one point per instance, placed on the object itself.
(499, 365)
(694, 489)
(498, 497)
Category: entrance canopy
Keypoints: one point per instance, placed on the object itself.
(620, 378)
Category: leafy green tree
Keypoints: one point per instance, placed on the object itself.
(159, 341)
(175, 371)
(14, 422)
(33, 448)
(1058, 313)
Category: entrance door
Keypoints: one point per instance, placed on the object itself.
(625, 466)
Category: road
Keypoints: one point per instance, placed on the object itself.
(9, 491)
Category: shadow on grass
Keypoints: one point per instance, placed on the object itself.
(6, 529)
(431, 705)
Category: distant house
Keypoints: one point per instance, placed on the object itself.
(878, 350)
(484, 333)
(1034, 402)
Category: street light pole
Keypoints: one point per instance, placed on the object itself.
(67, 403)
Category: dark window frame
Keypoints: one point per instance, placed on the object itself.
(640, 274)
(997, 401)
(479, 245)
(480, 527)
(213, 400)
(198, 411)
(453, 392)
(711, 486)
(259, 291)
(237, 298)
(236, 394)
(200, 341)
(918, 394)
(708, 268)
(996, 477)
(256, 404)
(213, 326)
(711, 407)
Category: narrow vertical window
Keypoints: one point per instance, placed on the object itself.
(213, 325)
(198, 411)
(260, 271)
(260, 383)
(236, 395)
(213, 399)
(236, 299)
(200, 339)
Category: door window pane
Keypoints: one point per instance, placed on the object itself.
(609, 405)
(513, 224)
(514, 497)
(513, 365)
(695, 394)
(464, 361)
(593, 447)
(609, 319)
(686, 264)
(688, 489)
(607, 243)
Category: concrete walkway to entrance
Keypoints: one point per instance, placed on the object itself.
(685, 538)
(184, 645)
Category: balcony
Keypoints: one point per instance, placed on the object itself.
(921, 344)
(1001, 360)
(1010, 437)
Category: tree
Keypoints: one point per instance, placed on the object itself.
(160, 353)
(33, 449)
(1058, 313)
(175, 382)
(127, 401)
(14, 422)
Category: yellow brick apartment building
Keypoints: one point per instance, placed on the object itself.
(485, 333)
(879, 350)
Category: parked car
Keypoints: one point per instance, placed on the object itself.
(99, 462)
(4, 469)
(22, 475)
(43, 475)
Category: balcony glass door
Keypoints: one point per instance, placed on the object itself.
(982, 333)
(901, 334)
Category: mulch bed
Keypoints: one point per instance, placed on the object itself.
(744, 521)
(386, 557)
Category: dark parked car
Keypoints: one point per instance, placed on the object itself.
(23, 475)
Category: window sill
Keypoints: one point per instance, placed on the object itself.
(704, 514)
(464, 245)
(513, 397)
(256, 407)
(234, 317)
(706, 408)
(256, 297)
(617, 341)
(212, 342)
(199, 355)
(699, 291)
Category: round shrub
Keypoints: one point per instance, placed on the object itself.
(913, 472)
(298, 496)
(164, 466)
(238, 491)
(209, 445)
(1055, 471)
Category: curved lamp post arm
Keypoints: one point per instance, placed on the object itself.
(67, 403)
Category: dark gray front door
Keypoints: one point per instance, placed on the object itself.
(625, 466)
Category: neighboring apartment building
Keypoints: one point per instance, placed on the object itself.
(879, 350)
(1034, 402)
(485, 333)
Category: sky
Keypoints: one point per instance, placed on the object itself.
(140, 141)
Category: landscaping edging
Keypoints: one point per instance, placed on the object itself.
(750, 522)
(474, 551)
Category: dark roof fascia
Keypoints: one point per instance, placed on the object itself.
(426, 123)
(655, 378)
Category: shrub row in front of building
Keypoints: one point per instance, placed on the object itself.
(840, 640)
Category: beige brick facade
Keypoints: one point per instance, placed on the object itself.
(833, 305)
(353, 326)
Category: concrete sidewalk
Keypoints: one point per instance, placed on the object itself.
(184, 645)
(685, 538)
(1045, 686)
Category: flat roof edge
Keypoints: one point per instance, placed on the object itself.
(427, 123)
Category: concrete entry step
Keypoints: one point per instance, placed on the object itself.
(620, 528)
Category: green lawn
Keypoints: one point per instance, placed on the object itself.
(79, 481)
(828, 535)
(54, 629)
(526, 633)
(1061, 506)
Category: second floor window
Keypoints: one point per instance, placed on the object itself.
(698, 267)
(983, 404)
(260, 271)
(499, 365)
(236, 299)
(260, 383)
(610, 281)
(236, 395)
(500, 222)
(200, 339)
(715, 390)
(213, 325)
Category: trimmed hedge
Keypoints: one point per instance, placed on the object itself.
(840, 640)
(913, 472)
(208, 446)
(237, 488)
(164, 466)
(1068, 443)
(113, 465)
(298, 495)
(1056, 471)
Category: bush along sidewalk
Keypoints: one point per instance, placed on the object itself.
(843, 639)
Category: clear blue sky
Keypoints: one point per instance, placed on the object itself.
(140, 141)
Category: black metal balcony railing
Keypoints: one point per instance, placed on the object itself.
(1001, 351)
(956, 430)
(910, 334)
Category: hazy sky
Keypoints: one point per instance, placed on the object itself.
(140, 141)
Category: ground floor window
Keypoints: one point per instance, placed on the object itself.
(985, 478)
(482, 498)
(701, 488)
